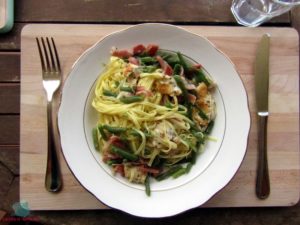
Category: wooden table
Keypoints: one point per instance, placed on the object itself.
(193, 12)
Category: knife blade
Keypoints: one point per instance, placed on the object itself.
(262, 105)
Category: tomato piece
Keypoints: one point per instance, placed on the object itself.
(151, 49)
(116, 141)
(139, 49)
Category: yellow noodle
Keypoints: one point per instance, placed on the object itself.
(146, 115)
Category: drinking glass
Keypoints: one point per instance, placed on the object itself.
(252, 13)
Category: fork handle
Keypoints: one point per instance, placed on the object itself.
(262, 179)
(53, 180)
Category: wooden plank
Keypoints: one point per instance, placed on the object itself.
(11, 40)
(193, 11)
(9, 129)
(9, 98)
(9, 66)
(6, 177)
(240, 45)
(295, 18)
(9, 156)
(12, 196)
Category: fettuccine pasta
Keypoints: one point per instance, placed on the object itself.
(155, 111)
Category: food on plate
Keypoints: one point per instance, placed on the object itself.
(156, 109)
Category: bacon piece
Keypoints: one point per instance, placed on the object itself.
(141, 90)
(151, 49)
(109, 156)
(124, 54)
(167, 69)
(133, 60)
(145, 169)
(192, 98)
(119, 168)
(113, 140)
(197, 66)
(139, 49)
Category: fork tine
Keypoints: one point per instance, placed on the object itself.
(56, 55)
(52, 63)
(46, 54)
(41, 54)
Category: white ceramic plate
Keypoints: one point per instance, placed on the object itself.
(214, 167)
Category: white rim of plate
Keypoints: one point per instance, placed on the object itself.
(172, 201)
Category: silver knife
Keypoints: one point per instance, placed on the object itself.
(262, 102)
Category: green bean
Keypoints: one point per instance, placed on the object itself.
(109, 93)
(148, 60)
(193, 157)
(102, 132)
(113, 161)
(209, 127)
(127, 89)
(157, 162)
(135, 133)
(170, 58)
(200, 77)
(168, 173)
(124, 154)
(147, 186)
(181, 85)
(168, 105)
(149, 69)
(114, 130)
(177, 69)
(179, 172)
(131, 99)
(202, 114)
(200, 136)
(183, 62)
(95, 138)
(188, 167)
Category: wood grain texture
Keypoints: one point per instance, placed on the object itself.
(239, 44)
(9, 129)
(9, 98)
(9, 66)
(10, 157)
(295, 18)
(6, 178)
(193, 11)
(11, 40)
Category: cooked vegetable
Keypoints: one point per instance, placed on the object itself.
(131, 99)
(124, 154)
(95, 139)
(114, 130)
(168, 173)
(147, 186)
(109, 93)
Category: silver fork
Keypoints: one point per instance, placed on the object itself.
(51, 81)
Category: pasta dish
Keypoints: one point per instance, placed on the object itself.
(156, 110)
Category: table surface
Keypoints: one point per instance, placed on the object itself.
(193, 12)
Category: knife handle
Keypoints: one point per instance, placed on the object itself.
(262, 179)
